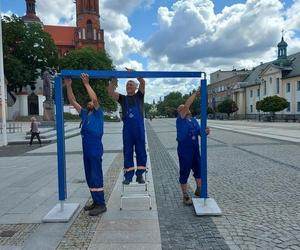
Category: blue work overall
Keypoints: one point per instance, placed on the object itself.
(188, 151)
(91, 133)
(133, 137)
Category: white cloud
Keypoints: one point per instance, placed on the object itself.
(126, 7)
(191, 30)
(119, 45)
(7, 13)
(52, 12)
(293, 16)
(114, 22)
(116, 27)
(157, 88)
(192, 37)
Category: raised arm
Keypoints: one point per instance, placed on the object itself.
(90, 91)
(70, 94)
(184, 109)
(191, 99)
(111, 89)
(142, 85)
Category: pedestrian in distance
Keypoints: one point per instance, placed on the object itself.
(133, 127)
(188, 132)
(34, 130)
(91, 133)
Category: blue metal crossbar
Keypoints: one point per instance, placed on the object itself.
(62, 188)
(131, 74)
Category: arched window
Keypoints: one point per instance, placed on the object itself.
(89, 30)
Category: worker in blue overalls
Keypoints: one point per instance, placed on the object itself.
(133, 127)
(91, 133)
(188, 131)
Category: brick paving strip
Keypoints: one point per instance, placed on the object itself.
(17, 234)
(180, 228)
(81, 232)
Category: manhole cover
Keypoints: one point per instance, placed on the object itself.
(7, 233)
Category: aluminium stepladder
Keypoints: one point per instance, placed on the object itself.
(135, 190)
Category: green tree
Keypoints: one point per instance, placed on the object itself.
(210, 110)
(28, 50)
(90, 59)
(161, 108)
(272, 104)
(168, 107)
(258, 105)
(170, 104)
(228, 106)
(147, 108)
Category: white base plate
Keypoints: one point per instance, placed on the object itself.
(206, 206)
(61, 212)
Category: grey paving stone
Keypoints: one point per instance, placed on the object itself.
(255, 181)
(122, 236)
(126, 246)
(179, 227)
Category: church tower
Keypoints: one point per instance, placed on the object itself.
(89, 32)
(31, 16)
(282, 49)
(282, 57)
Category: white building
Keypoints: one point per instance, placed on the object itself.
(280, 77)
(28, 102)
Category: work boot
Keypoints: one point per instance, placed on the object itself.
(140, 179)
(126, 182)
(187, 200)
(98, 209)
(89, 206)
(198, 191)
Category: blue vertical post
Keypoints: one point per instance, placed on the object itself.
(203, 104)
(60, 135)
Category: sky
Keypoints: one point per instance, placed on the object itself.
(183, 35)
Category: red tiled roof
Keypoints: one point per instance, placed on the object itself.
(62, 35)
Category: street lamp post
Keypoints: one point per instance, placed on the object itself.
(2, 82)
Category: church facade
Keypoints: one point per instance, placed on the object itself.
(86, 33)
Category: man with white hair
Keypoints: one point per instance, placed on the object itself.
(133, 127)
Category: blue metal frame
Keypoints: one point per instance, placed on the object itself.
(60, 138)
(61, 161)
(203, 139)
(130, 74)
